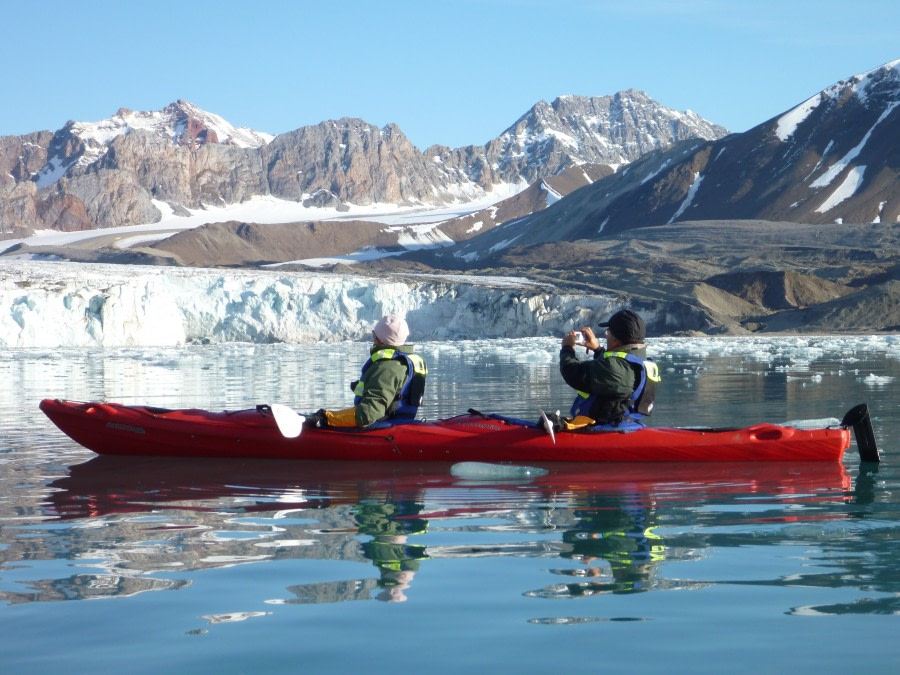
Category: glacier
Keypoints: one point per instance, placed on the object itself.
(45, 304)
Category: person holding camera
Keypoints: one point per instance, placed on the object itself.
(617, 387)
(391, 384)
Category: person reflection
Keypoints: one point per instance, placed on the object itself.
(620, 533)
(390, 524)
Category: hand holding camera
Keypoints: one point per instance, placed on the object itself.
(584, 338)
(572, 338)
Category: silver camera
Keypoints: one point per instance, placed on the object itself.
(579, 336)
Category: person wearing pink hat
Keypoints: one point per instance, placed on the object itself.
(392, 382)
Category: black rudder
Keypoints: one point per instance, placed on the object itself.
(858, 417)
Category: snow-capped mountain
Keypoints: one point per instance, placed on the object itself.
(181, 123)
(573, 130)
(832, 158)
(108, 173)
(613, 130)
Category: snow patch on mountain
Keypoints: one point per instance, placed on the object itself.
(552, 195)
(364, 255)
(420, 236)
(271, 210)
(653, 174)
(787, 124)
(836, 168)
(861, 84)
(55, 169)
(845, 190)
(689, 198)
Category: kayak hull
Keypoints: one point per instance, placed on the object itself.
(104, 485)
(115, 429)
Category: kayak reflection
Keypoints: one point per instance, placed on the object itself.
(199, 514)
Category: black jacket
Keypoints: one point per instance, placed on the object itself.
(612, 379)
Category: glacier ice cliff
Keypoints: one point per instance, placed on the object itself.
(59, 304)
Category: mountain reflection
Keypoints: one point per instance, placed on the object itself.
(151, 524)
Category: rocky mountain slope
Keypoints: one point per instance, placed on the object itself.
(790, 226)
(612, 130)
(249, 244)
(833, 158)
(117, 171)
(713, 277)
(235, 243)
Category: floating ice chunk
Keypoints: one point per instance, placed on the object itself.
(487, 471)
(531, 356)
(877, 380)
(232, 616)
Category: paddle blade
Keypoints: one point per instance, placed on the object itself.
(290, 423)
(548, 426)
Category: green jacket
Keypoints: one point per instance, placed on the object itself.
(383, 381)
(612, 379)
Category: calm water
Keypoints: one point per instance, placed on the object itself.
(111, 565)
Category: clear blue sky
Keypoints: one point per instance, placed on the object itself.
(454, 72)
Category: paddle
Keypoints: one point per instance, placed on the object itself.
(548, 426)
(290, 423)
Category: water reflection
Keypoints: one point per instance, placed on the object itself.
(258, 551)
(391, 523)
(153, 516)
(385, 522)
(618, 531)
(148, 524)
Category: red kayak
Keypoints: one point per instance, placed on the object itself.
(115, 429)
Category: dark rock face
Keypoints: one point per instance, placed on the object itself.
(833, 159)
(22, 156)
(354, 161)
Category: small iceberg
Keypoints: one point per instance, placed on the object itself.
(874, 380)
(488, 471)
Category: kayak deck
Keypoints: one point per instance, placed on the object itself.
(116, 429)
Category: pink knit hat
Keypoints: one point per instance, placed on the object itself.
(391, 330)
